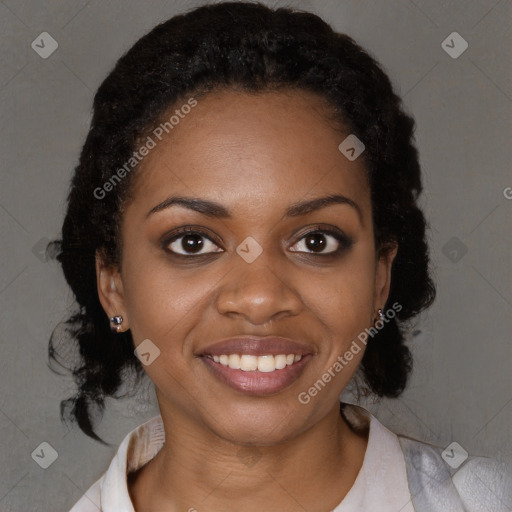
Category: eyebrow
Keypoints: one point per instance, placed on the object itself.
(216, 210)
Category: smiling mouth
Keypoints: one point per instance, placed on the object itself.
(257, 375)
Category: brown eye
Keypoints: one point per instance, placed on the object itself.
(190, 243)
(316, 242)
(323, 242)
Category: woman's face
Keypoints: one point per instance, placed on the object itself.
(254, 264)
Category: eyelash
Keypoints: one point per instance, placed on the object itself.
(343, 240)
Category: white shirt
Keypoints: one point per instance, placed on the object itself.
(381, 484)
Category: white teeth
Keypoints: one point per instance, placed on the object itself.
(264, 364)
(234, 361)
(280, 361)
(248, 363)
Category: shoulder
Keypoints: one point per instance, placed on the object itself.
(485, 483)
(111, 491)
(477, 483)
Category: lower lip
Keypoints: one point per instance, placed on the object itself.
(254, 382)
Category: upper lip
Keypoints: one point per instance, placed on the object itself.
(257, 346)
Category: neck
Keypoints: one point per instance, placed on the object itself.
(197, 470)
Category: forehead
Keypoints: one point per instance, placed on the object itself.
(271, 147)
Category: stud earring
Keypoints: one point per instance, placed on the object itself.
(115, 323)
(380, 318)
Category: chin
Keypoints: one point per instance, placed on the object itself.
(260, 426)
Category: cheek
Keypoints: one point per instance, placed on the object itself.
(346, 311)
(346, 303)
(160, 300)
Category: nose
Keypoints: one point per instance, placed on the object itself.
(259, 291)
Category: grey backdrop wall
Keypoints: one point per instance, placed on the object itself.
(461, 98)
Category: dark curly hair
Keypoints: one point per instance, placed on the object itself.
(252, 48)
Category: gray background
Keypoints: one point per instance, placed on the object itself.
(461, 389)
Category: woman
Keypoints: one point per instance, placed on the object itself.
(243, 228)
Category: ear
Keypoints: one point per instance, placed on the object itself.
(110, 290)
(383, 275)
